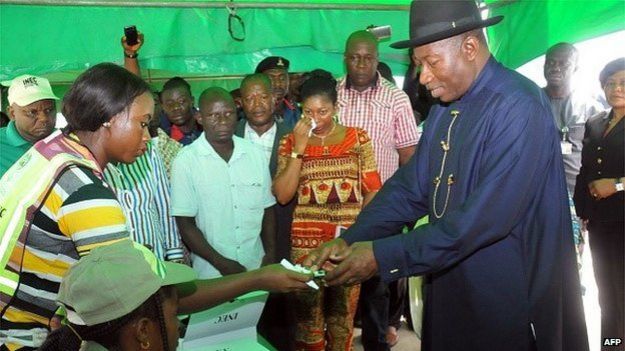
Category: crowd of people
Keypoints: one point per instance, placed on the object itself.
(175, 204)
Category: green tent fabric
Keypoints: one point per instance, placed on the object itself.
(530, 27)
(42, 39)
(190, 38)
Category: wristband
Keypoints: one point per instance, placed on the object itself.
(618, 185)
(296, 155)
(131, 56)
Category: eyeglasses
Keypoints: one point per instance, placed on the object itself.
(34, 112)
(612, 85)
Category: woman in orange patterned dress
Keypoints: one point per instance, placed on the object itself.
(332, 170)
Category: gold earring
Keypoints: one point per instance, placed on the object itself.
(145, 346)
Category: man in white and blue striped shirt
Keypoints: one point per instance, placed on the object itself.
(143, 190)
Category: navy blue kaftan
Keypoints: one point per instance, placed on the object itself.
(500, 261)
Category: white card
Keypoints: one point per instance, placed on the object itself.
(299, 269)
(313, 125)
(567, 148)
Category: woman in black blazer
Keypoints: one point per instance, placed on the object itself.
(600, 201)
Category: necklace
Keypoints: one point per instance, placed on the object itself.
(446, 146)
(323, 137)
(614, 120)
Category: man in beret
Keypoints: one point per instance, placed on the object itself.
(277, 68)
(497, 255)
(32, 108)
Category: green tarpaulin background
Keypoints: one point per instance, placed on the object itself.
(188, 38)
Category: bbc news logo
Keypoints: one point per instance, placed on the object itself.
(612, 341)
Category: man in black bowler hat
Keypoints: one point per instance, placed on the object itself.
(498, 253)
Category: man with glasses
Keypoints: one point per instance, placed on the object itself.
(32, 109)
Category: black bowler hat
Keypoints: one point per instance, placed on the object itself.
(272, 62)
(432, 21)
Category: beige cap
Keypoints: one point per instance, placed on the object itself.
(26, 89)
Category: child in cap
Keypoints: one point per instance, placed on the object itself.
(120, 297)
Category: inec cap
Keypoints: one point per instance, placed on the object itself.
(26, 89)
(114, 280)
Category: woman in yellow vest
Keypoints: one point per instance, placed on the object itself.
(55, 206)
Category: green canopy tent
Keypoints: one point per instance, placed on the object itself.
(59, 39)
(530, 27)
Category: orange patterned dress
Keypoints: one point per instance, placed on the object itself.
(333, 180)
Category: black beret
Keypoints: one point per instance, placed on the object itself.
(272, 62)
(610, 69)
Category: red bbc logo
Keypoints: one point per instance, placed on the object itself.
(612, 341)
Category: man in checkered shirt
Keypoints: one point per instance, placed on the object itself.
(368, 101)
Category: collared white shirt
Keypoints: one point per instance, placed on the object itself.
(227, 199)
(265, 141)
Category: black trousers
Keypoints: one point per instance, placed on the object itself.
(276, 323)
(373, 308)
(607, 245)
(398, 294)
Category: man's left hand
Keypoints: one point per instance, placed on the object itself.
(132, 49)
(358, 266)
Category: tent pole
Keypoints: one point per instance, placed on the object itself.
(150, 79)
(237, 5)
(210, 4)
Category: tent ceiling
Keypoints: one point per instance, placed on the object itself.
(325, 4)
(191, 37)
(530, 27)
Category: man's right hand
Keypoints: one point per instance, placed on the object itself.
(335, 251)
(227, 266)
(276, 278)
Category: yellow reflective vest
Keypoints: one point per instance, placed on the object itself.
(23, 190)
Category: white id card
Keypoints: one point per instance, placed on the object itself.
(567, 148)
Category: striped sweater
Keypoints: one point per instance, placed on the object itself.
(80, 213)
